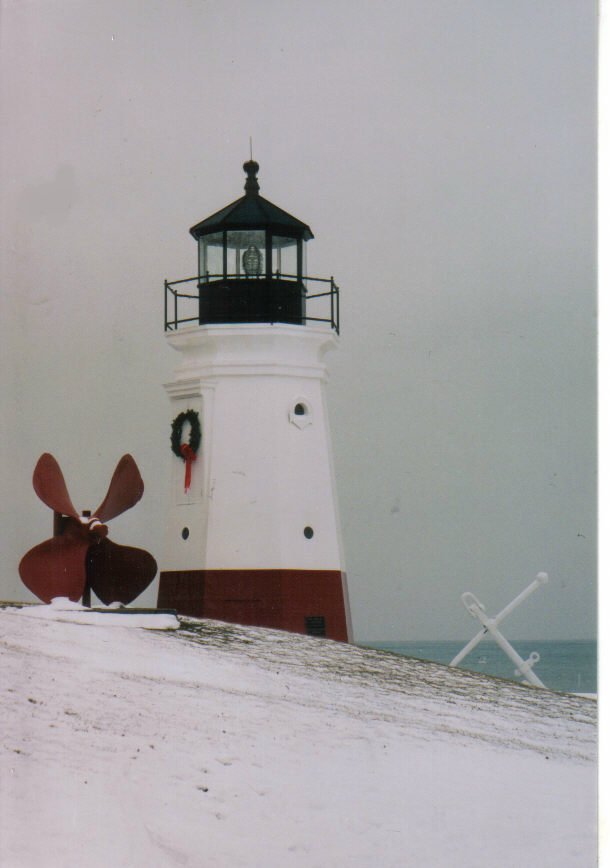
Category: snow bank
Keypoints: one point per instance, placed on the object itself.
(63, 609)
(218, 747)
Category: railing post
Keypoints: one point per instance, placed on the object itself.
(165, 308)
(175, 309)
(336, 291)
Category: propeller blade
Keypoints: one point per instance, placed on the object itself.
(50, 486)
(119, 574)
(125, 490)
(55, 568)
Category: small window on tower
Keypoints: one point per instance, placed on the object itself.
(315, 625)
(300, 414)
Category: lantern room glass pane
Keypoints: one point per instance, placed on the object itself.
(210, 256)
(284, 255)
(246, 253)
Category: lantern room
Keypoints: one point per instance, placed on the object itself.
(251, 261)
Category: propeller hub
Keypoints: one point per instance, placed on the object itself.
(96, 529)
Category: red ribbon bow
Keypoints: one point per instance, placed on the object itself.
(189, 456)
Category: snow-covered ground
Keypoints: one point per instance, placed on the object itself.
(215, 746)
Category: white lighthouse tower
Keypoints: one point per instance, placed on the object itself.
(253, 533)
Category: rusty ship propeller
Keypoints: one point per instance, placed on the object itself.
(79, 557)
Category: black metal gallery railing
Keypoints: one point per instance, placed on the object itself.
(235, 298)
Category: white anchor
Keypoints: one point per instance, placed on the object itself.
(490, 625)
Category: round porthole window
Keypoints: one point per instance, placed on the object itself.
(185, 533)
(308, 532)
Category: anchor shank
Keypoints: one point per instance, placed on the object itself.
(510, 652)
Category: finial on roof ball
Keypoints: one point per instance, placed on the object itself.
(251, 169)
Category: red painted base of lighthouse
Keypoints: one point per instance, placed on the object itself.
(300, 601)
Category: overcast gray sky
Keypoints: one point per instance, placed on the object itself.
(443, 154)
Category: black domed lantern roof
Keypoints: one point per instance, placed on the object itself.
(253, 211)
(251, 260)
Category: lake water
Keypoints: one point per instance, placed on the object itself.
(567, 666)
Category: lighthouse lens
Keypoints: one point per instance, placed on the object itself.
(252, 261)
(246, 252)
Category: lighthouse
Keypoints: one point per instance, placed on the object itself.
(253, 534)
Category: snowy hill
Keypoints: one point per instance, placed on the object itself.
(216, 746)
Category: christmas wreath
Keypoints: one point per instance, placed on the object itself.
(186, 451)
